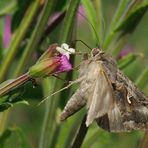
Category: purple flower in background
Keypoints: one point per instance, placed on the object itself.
(7, 31)
(81, 14)
(125, 51)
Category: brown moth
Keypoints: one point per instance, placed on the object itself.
(112, 100)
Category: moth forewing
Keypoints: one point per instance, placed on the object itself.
(126, 116)
(101, 100)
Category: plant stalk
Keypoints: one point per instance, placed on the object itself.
(36, 35)
(15, 83)
(17, 38)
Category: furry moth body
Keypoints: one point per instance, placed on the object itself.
(112, 100)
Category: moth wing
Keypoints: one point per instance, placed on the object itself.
(102, 99)
(125, 116)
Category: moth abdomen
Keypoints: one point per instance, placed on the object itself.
(75, 103)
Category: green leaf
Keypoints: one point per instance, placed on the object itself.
(36, 34)
(143, 78)
(12, 134)
(129, 24)
(127, 17)
(91, 140)
(5, 106)
(4, 137)
(12, 98)
(17, 38)
(7, 6)
(19, 135)
(127, 60)
(122, 7)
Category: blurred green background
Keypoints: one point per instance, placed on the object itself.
(26, 120)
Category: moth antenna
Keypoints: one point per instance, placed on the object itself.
(92, 28)
(56, 76)
(66, 87)
(83, 43)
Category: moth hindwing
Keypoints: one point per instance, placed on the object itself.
(112, 100)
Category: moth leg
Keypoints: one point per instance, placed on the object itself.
(56, 76)
(34, 83)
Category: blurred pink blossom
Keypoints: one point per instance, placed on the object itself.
(81, 14)
(7, 31)
(125, 51)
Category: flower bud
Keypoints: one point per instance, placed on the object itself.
(45, 67)
(50, 52)
(65, 50)
(51, 63)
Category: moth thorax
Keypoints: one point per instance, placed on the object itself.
(96, 51)
(85, 56)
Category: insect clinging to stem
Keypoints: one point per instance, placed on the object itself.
(112, 100)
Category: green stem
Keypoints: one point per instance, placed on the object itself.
(119, 12)
(73, 130)
(100, 21)
(125, 7)
(81, 134)
(15, 83)
(18, 37)
(49, 119)
(48, 87)
(55, 135)
(68, 21)
(36, 35)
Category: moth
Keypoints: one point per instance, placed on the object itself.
(112, 100)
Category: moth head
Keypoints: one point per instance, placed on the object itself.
(96, 52)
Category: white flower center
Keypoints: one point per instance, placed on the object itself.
(65, 50)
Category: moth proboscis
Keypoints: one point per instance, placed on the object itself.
(112, 100)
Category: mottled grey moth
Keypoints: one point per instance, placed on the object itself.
(112, 100)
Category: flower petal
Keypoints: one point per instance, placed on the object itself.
(61, 50)
(64, 65)
(65, 50)
(71, 50)
(65, 46)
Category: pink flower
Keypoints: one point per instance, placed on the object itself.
(54, 60)
(65, 65)
(125, 51)
(81, 14)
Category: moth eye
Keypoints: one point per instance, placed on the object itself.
(97, 51)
